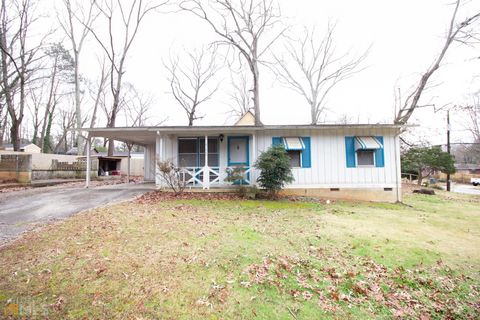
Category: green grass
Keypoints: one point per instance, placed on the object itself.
(189, 259)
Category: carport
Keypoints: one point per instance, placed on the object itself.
(144, 137)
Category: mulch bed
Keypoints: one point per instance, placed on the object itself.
(158, 196)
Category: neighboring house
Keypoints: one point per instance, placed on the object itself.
(334, 161)
(467, 168)
(463, 173)
(26, 147)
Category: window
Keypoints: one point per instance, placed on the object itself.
(191, 152)
(295, 157)
(213, 154)
(298, 149)
(187, 152)
(364, 151)
(365, 157)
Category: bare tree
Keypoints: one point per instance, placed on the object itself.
(34, 106)
(189, 82)
(241, 93)
(123, 24)
(61, 72)
(79, 18)
(457, 31)
(313, 67)
(473, 118)
(98, 94)
(17, 59)
(244, 25)
(67, 121)
(136, 106)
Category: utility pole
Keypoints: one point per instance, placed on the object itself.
(448, 146)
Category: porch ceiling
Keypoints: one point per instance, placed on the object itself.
(138, 136)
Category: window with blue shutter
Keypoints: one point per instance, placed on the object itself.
(300, 155)
(277, 141)
(364, 151)
(380, 154)
(350, 152)
(306, 153)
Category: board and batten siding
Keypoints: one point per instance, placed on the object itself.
(328, 159)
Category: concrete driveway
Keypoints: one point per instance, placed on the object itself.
(22, 210)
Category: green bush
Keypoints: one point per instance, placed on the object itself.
(275, 169)
(424, 161)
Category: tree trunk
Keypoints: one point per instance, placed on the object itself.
(256, 91)
(313, 114)
(49, 105)
(116, 104)
(35, 135)
(3, 125)
(111, 124)
(47, 148)
(15, 134)
(420, 177)
(78, 110)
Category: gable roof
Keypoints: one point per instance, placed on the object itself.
(248, 119)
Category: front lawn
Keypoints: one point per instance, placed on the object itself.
(244, 259)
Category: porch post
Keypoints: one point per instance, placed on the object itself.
(253, 177)
(87, 174)
(206, 171)
(129, 146)
(158, 156)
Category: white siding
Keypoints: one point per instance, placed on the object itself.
(328, 165)
(329, 169)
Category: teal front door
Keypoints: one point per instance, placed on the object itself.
(238, 154)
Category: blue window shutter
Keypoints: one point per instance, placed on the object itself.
(306, 153)
(277, 141)
(379, 154)
(350, 151)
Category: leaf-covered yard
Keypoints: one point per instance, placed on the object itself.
(161, 257)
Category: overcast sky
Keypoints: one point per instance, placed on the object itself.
(404, 36)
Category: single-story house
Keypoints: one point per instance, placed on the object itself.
(335, 161)
(24, 147)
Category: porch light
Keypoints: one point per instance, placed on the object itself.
(221, 136)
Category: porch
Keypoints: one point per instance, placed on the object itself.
(209, 161)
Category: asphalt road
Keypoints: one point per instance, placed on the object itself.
(24, 209)
(466, 188)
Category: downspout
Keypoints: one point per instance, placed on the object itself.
(397, 173)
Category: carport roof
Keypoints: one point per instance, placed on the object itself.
(147, 135)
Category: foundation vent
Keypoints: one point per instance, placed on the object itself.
(334, 189)
(387, 189)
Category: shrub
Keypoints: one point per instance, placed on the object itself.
(171, 175)
(424, 161)
(235, 174)
(247, 192)
(275, 169)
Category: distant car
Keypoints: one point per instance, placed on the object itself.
(475, 181)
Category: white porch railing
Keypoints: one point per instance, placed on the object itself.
(206, 177)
